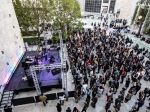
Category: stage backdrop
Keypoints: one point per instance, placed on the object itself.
(11, 42)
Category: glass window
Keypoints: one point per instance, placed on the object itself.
(93, 5)
(105, 1)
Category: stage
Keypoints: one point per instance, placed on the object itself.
(47, 78)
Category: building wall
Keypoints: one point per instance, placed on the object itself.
(127, 8)
(11, 41)
(103, 4)
(82, 5)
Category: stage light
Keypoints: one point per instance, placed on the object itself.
(13, 65)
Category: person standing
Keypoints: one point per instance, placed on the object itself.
(123, 75)
(109, 94)
(140, 104)
(107, 106)
(94, 102)
(43, 99)
(138, 87)
(58, 107)
(128, 97)
(68, 109)
(88, 99)
(75, 109)
(5, 108)
(116, 85)
(85, 107)
(76, 96)
(9, 109)
(62, 99)
(127, 82)
(66, 94)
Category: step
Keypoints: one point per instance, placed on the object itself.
(2, 105)
(8, 95)
(4, 102)
(5, 99)
(7, 92)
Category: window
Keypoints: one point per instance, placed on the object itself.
(112, 6)
(93, 5)
(9, 15)
(13, 26)
(105, 1)
(7, 63)
(2, 52)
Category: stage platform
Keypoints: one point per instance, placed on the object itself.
(46, 78)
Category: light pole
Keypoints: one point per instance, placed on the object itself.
(141, 23)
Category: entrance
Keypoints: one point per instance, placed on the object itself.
(104, 9)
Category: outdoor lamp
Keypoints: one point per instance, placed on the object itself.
(141, 23)
(140, 17)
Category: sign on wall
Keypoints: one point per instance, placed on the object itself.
(118, 11)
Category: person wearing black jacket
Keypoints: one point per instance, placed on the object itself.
(107, 106)
(68, 109)
(138, 87)
(58, 107)
(118, 100)
(140, 104)
(116, 86)
(94, 102)
(127, 82)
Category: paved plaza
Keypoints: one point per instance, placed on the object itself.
(100, 106)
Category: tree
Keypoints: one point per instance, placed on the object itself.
(146, 28)
(33, 15)
(145, 12)
(67, 15)
(145, 2)
(142, 9)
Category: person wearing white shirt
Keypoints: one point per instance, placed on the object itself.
(62, 98)
(91, 72)
(82, 63)
(84, 88)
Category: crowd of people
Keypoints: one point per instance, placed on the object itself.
(100, 61)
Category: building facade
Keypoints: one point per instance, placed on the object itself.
(97, 6)
(125, 8)
(11, 42)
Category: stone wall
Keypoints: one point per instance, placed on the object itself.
(11, 41)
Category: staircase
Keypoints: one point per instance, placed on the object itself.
(6, 98)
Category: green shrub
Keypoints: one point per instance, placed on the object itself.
(55, 37)
(29, 33)
(33, 39)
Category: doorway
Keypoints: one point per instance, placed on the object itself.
(104, 9)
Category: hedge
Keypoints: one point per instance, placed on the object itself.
(33, 39)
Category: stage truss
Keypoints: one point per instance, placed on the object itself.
(61, 65)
